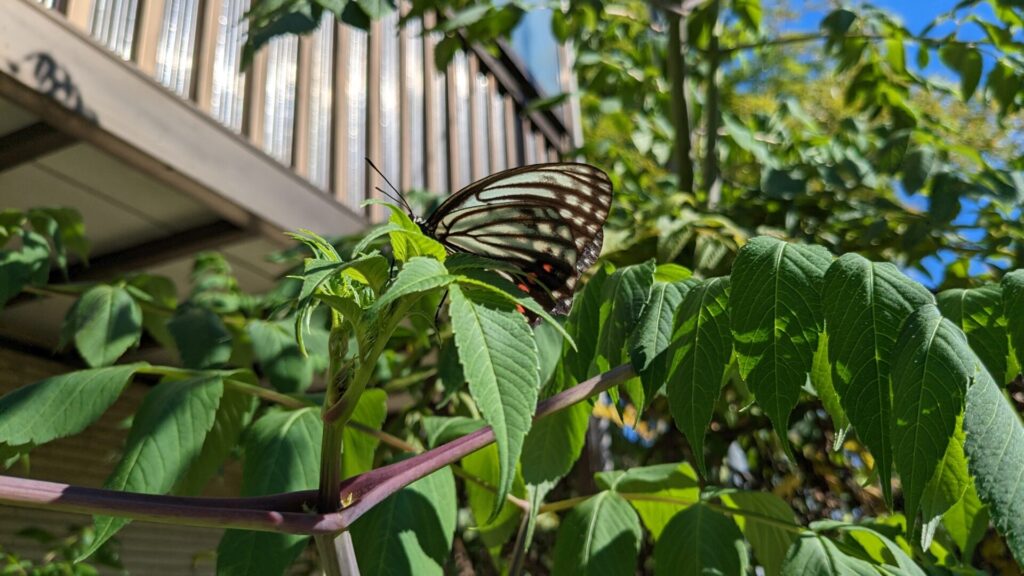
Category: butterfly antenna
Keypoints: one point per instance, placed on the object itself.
(400, 197)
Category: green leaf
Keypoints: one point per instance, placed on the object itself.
(499, 358)
(654, 333)
(865, 305)
(888, 554)
(61, 406)
(408, 241)
(418, 275)
(930, 374)
(29, 265)
(483, 465)
(670, 488)
(966, 522)
(282, 454)
(814, 555)
(821, 380)
(202, 339)
(359, 447)
(979, 313)
(549, 345)
(995, 457)
(554, 444)
(441, 430)
(411, 532)
(775, 316)
(946, 487)
(273, 344)
(167, 435)
(601, 536)
(700, 541)
(1013, 299)
(698, 359)
(234, 412)
(759, 515)
(966, 61)
(623, 297)
(917, 166)
(584, 324)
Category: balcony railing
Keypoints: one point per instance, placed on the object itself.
(321, 103)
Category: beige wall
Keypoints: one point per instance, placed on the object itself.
(86, 460)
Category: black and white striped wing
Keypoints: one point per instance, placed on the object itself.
(545, 219)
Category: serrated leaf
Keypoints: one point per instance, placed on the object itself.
(700, 541)
(888, 554)
(282, 454)
(697, 361)
(654, 333)
(979, 313)
(930, 373)
(202, 339)
(167, 435)
(623, 297)
(500, 361)
(358, 448)
(62, 405)
(966, 522)
(408, 241)
(1013, 299)
(554, 444)
(598, 537)
(273, 344)
(583, 325)
(995, 457)
(821, 380)
(669, 489)
(441, 430)
(418, 275)
(104, 323)
(234, 412)
(865, 305)
(28, 265)
(483, 465)
(775, 316)
(946, 487)
(814, 555)
(769, 540)
(411, 532)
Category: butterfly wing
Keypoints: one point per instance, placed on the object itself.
(544, 219)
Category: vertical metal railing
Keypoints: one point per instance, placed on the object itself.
(322, 103)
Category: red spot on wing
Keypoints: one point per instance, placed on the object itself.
(522, 286)
(547, 267)
(520, 309)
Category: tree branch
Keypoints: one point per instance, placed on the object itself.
(284, 513)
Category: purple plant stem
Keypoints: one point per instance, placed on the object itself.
(285, 512)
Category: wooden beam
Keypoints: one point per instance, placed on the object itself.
(147, 255)
(255, 95)
(339, 115)
(29, 143)
(78, 13)
(149, 25)
(373, 140)
(511, 130)
(431, 130)
(477, 150)
(204, 54)
(300, 131)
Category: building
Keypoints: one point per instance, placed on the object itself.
(136, 113)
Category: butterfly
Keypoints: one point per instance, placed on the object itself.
(544, 220)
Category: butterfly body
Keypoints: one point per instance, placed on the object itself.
(545, 220)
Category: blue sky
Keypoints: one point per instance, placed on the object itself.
(915, 15)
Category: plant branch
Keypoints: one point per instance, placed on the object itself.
(680, 114)
(287, 512)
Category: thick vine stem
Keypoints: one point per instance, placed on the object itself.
(284, 513)
(328, 494)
